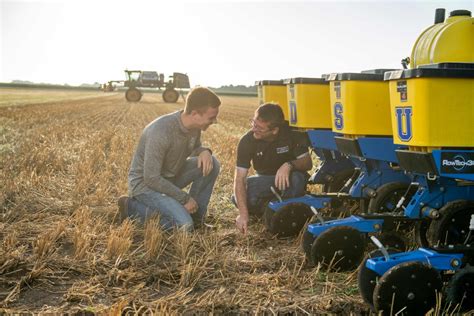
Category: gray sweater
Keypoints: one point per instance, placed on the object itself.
(162, 150)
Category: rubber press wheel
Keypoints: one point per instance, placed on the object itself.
(338, 181)
(288, 220)
(410, 286)
(421, 230)
(387, 197)
(460, 289)
(307, 243)
(340, 248)
(367, 279)
(170, 96)
(452, 226)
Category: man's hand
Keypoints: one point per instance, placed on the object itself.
(242, 224)
(205, 162)
(282, 177)
(191, 206)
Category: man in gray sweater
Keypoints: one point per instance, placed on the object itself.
(169, 156)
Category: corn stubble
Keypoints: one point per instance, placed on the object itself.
(65, 163)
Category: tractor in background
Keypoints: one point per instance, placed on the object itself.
(151, 79)
(109, 86)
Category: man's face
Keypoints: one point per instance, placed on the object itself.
(262, 129)
(205, 119)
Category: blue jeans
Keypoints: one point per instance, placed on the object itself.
(259, 192)
(172, 213)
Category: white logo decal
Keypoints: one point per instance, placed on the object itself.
(283, 150)
(458, 163)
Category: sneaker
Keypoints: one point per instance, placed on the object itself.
(203, 225)
(122, 208)
(209, 226)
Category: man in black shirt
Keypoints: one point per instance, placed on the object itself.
(279, 157)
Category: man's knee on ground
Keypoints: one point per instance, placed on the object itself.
(189, 227)
(184, 223)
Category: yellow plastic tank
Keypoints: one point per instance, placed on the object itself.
(360, 103)
(448, 41)
(433, 106)
(308, 102)
(273, 91)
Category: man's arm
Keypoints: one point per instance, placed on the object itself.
(301, 163)
(154, 156)
(204, 155)
(240, 194)
(300, 151)
(240, 179)
(198, 148)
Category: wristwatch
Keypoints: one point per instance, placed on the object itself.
(291, 165)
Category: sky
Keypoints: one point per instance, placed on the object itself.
(215, 42)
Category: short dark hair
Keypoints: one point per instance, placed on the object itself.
(199, 99)
(272, 113)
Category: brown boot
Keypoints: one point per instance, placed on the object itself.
(122, 208)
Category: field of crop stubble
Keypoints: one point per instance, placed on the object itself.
(64, 163)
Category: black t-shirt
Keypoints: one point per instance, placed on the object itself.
(267, 157)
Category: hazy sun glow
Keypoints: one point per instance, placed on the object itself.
(215, 43)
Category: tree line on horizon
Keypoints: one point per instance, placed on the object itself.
(224, 88)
